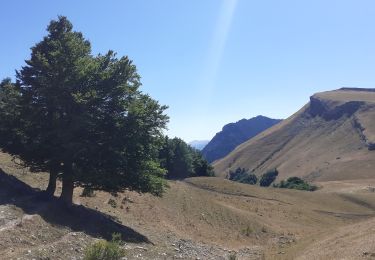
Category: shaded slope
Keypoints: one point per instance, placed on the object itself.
(331, 138)
(234, 134)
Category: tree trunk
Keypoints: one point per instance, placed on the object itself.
(68, 185)
(51, 188)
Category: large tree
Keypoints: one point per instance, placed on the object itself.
(85, 117)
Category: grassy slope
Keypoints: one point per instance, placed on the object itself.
(313, 147)
(213, 213)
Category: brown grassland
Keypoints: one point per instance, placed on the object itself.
(206, 218)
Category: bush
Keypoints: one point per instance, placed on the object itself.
(113, 203)
(87, 192)
(242, 175)
(269, 177)
(105, 250)
(296, 183)
(247, 231)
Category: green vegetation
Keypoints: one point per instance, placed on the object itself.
(182, 161)
(242, 175)
(269, 177)
(247, 231)
(232, 256)
(105, 250)
(88, 192)
(295, 183)
(83, 117)
(113, 203)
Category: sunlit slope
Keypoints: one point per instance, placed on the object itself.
(330, 138)
(196, 218)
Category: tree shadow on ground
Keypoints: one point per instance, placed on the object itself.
(76, 217)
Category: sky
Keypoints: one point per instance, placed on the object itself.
(214, 61)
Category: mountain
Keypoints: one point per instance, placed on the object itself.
(330, 138)
(199, 144)
(234, 134)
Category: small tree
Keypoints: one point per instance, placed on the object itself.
(269, 177)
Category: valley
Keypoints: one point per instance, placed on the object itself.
(205, 218)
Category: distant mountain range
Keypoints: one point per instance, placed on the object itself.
(234, 134)
(199, 144)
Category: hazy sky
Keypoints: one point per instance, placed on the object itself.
(214, 62)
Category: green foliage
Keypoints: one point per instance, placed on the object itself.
(182, 161)
(113, 203)
(247, 231)
(232, 256)
(9, 111)
(87, 192)
(242, 175)
(83, 116)
(269, 177)
(200, 165)
(105, 250)
(295, 183)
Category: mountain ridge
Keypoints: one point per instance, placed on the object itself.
(233, 134)
(330, 138)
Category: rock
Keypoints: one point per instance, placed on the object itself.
(141, 248)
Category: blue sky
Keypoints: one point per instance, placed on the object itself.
(214, 62)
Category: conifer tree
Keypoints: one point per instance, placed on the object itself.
(85, 117)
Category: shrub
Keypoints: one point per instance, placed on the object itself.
(247, 231)
(105, 250)
(269, 177)
(112, 202)
(249, 179)
(242, 175)
(296, 183)
(87, 192)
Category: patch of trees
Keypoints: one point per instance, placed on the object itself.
(295, 183)
(182, 161)
(82, 117)
(269, 177)
(242, 175)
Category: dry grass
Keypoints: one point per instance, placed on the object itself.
(313, 147)
(213, 213)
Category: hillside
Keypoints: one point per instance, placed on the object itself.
(234, 134)
(199, 218)
(330, 138)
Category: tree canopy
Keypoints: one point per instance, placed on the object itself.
(295, 183)
(268, 177)
(242, 175)
(83, 116)
(182, 161)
